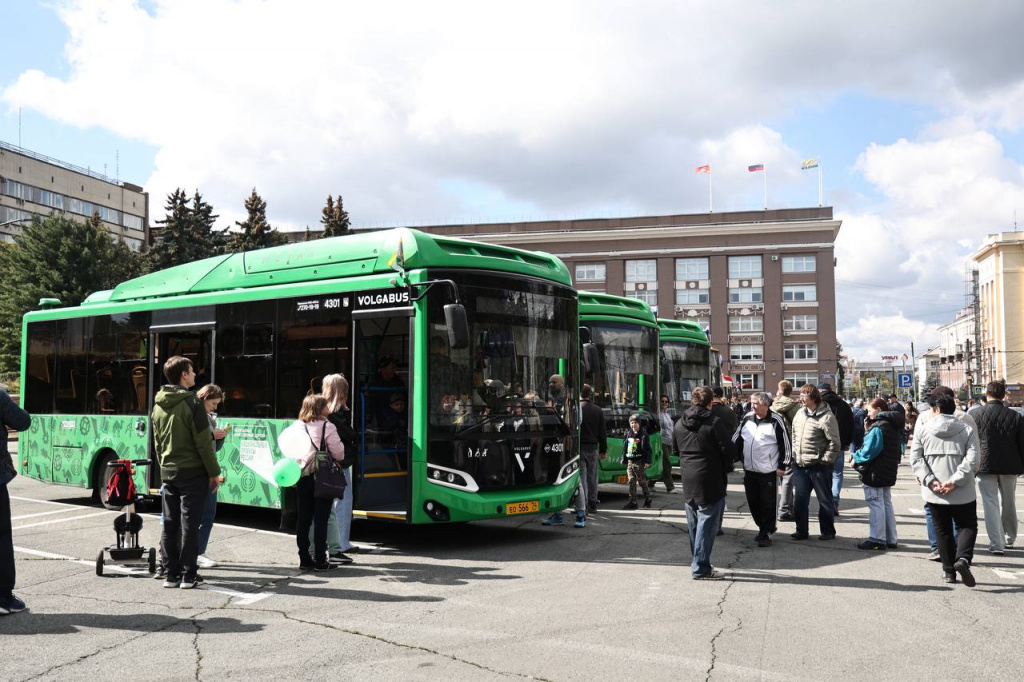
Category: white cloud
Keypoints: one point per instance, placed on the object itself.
(873, 336)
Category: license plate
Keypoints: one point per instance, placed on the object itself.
(531, 507)
(622, 479)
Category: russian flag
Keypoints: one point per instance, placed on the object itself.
(703, 169)
(756, 167)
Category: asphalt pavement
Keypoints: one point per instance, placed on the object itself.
(512, 599)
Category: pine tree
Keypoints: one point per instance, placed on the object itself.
(187, 234)
(203, 219)
(56, 257)
(334, 218)
(256, 232)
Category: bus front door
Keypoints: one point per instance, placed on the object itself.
(381, 412)
(194, 342)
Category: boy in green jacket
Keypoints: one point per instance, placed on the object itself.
(184, 448)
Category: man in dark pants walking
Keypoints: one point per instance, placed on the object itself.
(844, 419)
(593, 444)
(762, 441)
(11, 416)
(183, 446)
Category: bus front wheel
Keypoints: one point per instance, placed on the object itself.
(101, 477)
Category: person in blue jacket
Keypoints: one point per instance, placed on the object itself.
(877, 462)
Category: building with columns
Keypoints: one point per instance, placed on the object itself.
(761, 282)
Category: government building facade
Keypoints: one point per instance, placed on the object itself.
(761, 282)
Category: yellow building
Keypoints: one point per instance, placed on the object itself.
(1001, 292)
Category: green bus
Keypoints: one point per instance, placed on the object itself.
(473, 337)
(625, 378)
(685, 364)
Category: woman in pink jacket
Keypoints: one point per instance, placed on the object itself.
(311, 510)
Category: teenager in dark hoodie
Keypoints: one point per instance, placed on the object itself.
(705, 460)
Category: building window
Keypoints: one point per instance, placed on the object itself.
(704, 322)
(740, 325)
(800, 351)
(800, 323)
(134, 222)
(642, 270)
(585, 272)
(692, 296)
(798, 379)
(750, 382)
(800, 292)
(689, 269)
(798, 264)
(744, 267)
(745, 295)
(746, 352)
(647, 296)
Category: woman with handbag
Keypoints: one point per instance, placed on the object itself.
(313, 507)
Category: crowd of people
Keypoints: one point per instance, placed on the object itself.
(787, 446)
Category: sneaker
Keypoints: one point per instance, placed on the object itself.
(647, 503)
(672, 491)
(325, 566)
(161, 572)
(189, 582)
(172, 581)
(630, 505)
(204, 561)
(827, 536)
(871, 544)
(964, 569)
(800, 536)
(11, 604)
(763, 541)
(934, 556)
(555, 520)
(891, 545)
(711, 575)
(997, 552)
(787, 517)
(340, 558)
(592, 508)
(948, 577)
(581, 521)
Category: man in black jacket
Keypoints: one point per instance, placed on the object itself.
(705, 460)
(1001, 431)
(844, 418)
(11, 416)
(593, 444)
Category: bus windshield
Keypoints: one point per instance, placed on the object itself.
(685, 366)
(504, 409)
(627, 353)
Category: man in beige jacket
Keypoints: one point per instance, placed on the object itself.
(816, 444)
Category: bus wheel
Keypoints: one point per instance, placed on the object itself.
(101, 477)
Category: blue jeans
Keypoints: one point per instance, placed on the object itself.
(343, 510)
(837, 477)
(703, 522)
(206, 523)
(881, 516)
(819, 478)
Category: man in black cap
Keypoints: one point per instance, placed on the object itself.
(844, 418)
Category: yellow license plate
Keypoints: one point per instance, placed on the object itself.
(531, 507)
(622, 479)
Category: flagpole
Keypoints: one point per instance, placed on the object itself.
(821, 201)
(711, 197)
(765, 171)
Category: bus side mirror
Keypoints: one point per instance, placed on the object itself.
(591, 359)
(458, 326)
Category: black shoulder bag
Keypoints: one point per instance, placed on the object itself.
(328, 476)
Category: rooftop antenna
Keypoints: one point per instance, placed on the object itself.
(1014, 218)
(117, 165)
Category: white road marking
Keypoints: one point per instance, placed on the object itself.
(72, 518)
(59, 504)
(30, 516)
(915, 510)
(1006, 575)
(238, 598)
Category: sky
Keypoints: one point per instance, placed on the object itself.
(419, 113)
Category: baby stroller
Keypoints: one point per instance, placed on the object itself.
(121, 493)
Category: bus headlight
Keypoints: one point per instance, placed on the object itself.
(451, 478)
(568, 469)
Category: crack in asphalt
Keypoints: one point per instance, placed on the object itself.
(402, 645)
(721, 604)
(195, 645)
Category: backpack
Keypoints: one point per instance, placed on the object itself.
(121, 487)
